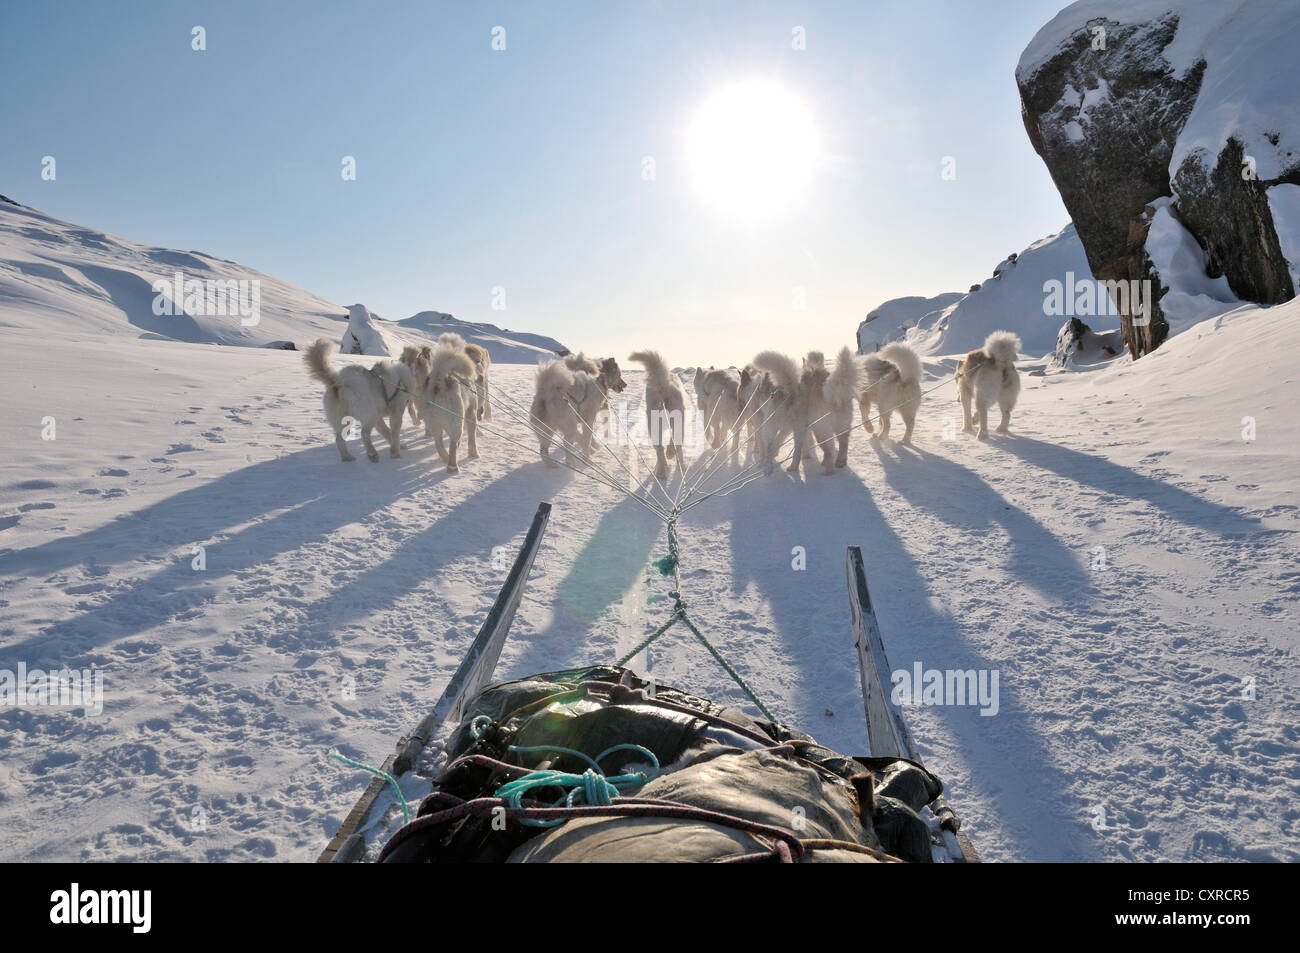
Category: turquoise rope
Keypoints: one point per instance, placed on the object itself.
(592, 787)
(343, 759)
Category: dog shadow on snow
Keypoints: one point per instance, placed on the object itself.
(615, 555)
(810, 610)
(1101, 474)
(244, 520)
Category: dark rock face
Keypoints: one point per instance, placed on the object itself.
(1227, 210)
(1106, 122)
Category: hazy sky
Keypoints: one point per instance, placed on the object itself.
(522, 168)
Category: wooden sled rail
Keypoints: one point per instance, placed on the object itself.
(475, 671)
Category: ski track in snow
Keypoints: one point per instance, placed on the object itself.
(1122, 734)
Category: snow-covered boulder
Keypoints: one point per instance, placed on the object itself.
(365, 336)
(1131, 101)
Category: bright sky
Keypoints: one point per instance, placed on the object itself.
(524, 169)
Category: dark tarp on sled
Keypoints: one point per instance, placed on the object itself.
(761, 776)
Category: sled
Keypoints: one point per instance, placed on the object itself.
(370, 822)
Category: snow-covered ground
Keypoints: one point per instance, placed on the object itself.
(335, 600)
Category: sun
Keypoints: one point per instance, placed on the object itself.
(751, 149)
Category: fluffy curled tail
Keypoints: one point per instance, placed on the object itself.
(448, 360)
(553, 378)
(317, 359)
(654, 365)
(1003, 347)
(845, 381)
(782, 368)
(905, 359)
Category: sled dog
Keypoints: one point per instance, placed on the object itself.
(892, 382)
(665, 411)
(988, 376)
(366, 395)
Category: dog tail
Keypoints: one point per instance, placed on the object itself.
(553, 377)
(1003, 347)
(655, 368)
(782, 368)
(447, 360)
(845, 381)
(317, 359)
(905, 359)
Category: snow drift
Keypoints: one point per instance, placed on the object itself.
(1018, 298)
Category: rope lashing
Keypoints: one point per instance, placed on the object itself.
(592, 788)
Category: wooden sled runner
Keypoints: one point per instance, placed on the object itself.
(370, 821)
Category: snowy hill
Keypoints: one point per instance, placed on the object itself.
(504, 347)
(57, 276)
(1014, 299)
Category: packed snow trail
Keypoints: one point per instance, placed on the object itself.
(337, 599)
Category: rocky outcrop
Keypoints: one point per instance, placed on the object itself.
(1131, 102)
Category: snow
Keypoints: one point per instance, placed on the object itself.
(1121, 689)
(364, 334)
(1193, 296)
(1197, 19)
(1016, 300)
(83, 280)
(503, 346)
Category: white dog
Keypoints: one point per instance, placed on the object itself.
(817, 404)
(366, 395)
(986, 377)
(665, 411)
(717, 394)
(605, 370)
(893, 382)
(566, 401)
(761, 412)
(450, 402)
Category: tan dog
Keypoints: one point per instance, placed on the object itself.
(604, 369)
(893, 382)
(483, 363)
(364, 395)
(986, 377)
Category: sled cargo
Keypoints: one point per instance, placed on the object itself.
(494, 756)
